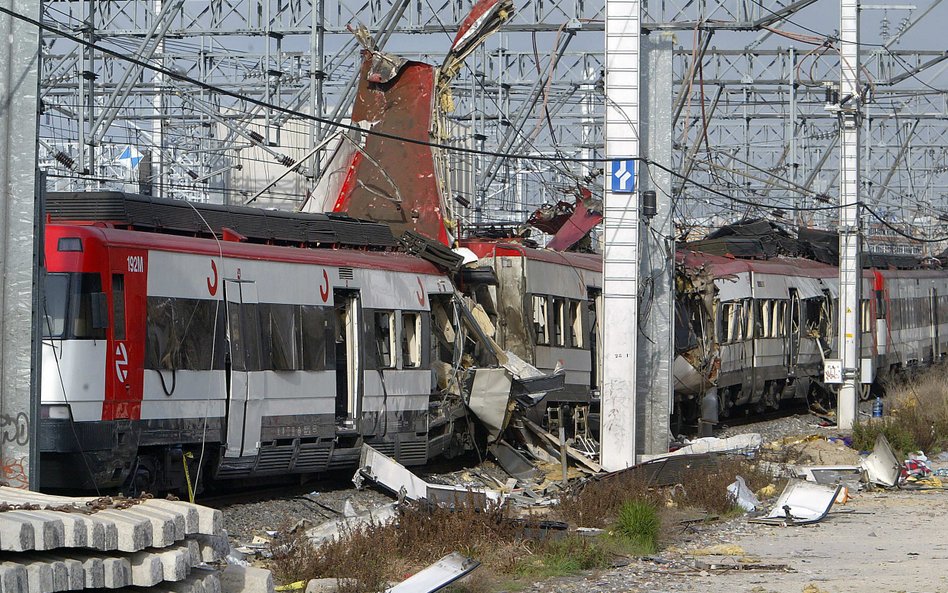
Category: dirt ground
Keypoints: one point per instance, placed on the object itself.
(877, 542)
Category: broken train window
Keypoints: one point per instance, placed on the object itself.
(411, 340)
(385, 339)
(575, 324)
(540, 319)
(559, 327)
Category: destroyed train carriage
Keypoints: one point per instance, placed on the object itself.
(749, 334)
(280, 347)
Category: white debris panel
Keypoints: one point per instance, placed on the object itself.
(395, 477)
(59, 543)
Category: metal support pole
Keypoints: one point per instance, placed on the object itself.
(850, 270)
(19, 100)
(621, 232)
(655, 393)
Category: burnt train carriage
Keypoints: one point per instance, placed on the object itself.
(257, 359)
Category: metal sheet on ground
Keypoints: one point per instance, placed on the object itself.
(801, 503)
(437, 576)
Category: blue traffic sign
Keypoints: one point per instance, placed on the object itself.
(623, 176)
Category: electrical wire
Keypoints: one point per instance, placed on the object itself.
(259, 103)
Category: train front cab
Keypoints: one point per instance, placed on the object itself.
(85, 441)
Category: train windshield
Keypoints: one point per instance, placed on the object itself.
(74, 306)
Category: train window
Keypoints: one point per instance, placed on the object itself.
(55, 299)
(384, 339)
(317, 333)
(780, 317)
(281, 325)
(575, 324)
(118, 306)
(731, 317)
(762, 318)
(559, 325)
(85, 311)
(411, 340)
(540, 319)
(181, 335)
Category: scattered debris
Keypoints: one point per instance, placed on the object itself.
(742, 443)
(739, 565)
(833, 474)
(393, 476)
(801, 503)
(437, 576)
(719, 550)
(742, 495)
(332, 529)
(882, 468)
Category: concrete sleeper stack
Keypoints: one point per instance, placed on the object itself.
(126, 545)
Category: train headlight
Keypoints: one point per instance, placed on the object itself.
(59, 412)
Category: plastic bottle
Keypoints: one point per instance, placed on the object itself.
(877, 408)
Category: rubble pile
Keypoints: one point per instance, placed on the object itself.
(144, 545)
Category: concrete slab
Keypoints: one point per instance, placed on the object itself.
(13, 578)
(246, 579)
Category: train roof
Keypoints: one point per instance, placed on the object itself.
(161, 215)
(786, 266)
(356, 258)
(487, 248)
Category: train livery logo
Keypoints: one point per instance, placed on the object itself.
(121, 362)
(324, 287)
(420, 294)
(212, 287)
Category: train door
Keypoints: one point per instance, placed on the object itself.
(794, 331)
(348, 361)
(933, 321)
(244, 392)
(594, 296)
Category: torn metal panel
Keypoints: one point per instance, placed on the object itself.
(801, 503)
(513, 461)
(380, 178)
(485, 17)
(490, 394)
(583, 220)
(390, 474)
(530, 384)
(437, 576)
(832, 474)
(393, 476)
(881, 465)
(331, 530)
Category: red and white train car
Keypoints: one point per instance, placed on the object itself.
(240, 359)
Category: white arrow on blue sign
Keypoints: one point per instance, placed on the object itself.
(623, 176)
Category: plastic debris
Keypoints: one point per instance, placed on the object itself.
(742, 495)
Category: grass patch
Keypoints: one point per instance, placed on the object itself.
(367, 558)
(639, 524)
(597, 503)
(916, 416)
(563, 557)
